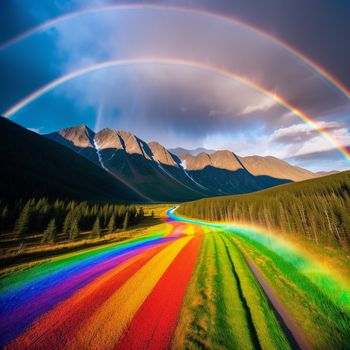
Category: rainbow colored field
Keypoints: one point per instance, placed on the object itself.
(192, 286)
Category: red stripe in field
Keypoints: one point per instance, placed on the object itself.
(54, 329)
(154, 324)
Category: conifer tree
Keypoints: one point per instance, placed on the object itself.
(111, 224)
(74, 230)
(67, 223)
(126, 221)
(96, 229)
(50, 232)
(23, 221)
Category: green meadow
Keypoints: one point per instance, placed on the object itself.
(225, 306)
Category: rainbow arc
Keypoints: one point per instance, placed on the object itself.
(187, 63)
(228, 19)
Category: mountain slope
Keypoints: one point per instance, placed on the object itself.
(275, 167)
(79, 139)
(149, 168)
(34, 166)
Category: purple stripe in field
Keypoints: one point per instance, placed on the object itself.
(22, 294)
(14, 322)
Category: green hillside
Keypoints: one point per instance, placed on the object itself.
(318, 209)
(33, 166)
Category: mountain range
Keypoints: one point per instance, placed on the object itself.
(159, 174)
(179, 151)
(116, 165)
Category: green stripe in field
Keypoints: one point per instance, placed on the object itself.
(224, 304)
(324, 322)
(268, 330)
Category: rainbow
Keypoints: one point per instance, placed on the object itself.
(228, 19)
(192, 64)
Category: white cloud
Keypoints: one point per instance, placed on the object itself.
(286, 143)
(302, 139)
(263, 105)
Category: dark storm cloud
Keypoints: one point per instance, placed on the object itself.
(168, 33)
(319, 29)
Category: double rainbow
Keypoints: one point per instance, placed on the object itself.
(197, 65)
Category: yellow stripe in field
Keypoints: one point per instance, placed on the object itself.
(168, 229)
(189, 230)
(105, 327)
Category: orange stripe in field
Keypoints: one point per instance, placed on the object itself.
(106, 326)
(154, 324)
(57, 327)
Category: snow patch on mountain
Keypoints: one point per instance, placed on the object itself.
(183, 166)
(99, 155)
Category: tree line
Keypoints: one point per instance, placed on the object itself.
(65, 220)
(318, 209)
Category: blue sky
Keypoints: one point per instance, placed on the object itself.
(178, 104)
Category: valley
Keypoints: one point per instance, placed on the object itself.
(182, 283)
(90, 262)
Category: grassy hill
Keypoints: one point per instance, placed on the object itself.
(33, 166)
(319, 209)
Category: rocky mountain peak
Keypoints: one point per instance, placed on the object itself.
(133, 145)
(219, 159)
(108, 139)
(81, 136)
(161, 154)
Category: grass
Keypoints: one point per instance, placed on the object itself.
(262, 318)
(323, 317)
(224, 306)
(316, 297)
